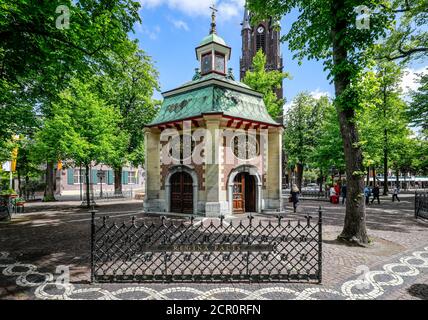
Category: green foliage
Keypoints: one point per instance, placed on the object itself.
(301, 126)
(84, 128)
(408, 38)
(418, 108)
(328, 151)
(38, 60)
(129, 85)
(266, 82)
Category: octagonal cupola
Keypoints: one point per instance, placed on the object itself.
(213, 53)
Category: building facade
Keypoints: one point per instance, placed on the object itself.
(213, 149)
(71, 181)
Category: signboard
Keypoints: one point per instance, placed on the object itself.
(7, 166)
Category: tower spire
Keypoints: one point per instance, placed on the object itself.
(213, 16)
(246, 21)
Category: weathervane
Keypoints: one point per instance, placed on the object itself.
(213, 24)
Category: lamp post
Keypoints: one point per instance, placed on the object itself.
(101, 174)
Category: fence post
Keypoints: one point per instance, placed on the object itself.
(416, 204)
(320, 245)
(92, 243)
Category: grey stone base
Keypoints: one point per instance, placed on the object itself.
(154, 205)
(216, 209)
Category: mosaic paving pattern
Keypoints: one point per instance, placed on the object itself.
(374, 284)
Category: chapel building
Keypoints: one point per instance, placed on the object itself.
(213, 149)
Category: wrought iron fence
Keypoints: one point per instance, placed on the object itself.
(421, 205)
(209, 250)
(315, 195)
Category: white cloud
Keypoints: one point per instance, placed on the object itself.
(287, 107)
(410, 79)
(226, 8)
(152, 33)
(318, 93)
(179, 24)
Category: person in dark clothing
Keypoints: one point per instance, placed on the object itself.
(343, 192)
(376, 192)
(367, 194)
(295, 196)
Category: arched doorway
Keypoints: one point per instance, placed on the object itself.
(244, 193)
(181, 192)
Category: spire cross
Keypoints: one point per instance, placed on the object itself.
(213, 24)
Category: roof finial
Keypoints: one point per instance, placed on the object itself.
(213, 24)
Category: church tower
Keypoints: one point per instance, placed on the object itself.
(264, 35)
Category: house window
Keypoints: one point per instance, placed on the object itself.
(79, 176)
(132, 177)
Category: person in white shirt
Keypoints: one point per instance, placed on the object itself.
(395, 193)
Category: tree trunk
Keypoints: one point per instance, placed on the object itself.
(299, 174)
(368, 176)
(385, 163)
(88, 195)
(118, 180)
(321, 180)
(374, 175)
(27, 189)
(50, 180)
(354, 229)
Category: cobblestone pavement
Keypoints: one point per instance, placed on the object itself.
(36, 244)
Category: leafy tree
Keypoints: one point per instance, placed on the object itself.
(84, 128)
(301, 126)
(382, 120)
(418, 108)
(129, 85)
(327, 30)
(38, 59)
(266, 82)
(328, 151)
(408, 39)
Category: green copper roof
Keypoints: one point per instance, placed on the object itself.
(212, 38)
(218, 77)
(213, 98)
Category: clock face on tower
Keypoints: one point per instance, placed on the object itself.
(206, 63)
(260, 29)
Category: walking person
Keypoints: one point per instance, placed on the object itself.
(332, 194)
(395, 193)
(343, 191)
(367, 194)
(295, 196)
(376, 193)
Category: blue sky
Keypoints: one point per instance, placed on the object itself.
(171, 29)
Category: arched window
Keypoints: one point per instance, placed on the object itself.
(261, 38)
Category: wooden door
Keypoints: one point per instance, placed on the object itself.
(250, 194)
(244, 193)
(239, 193)
(181, 193)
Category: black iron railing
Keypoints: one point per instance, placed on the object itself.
(421, 205)
(315, 195)
(210, 250)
